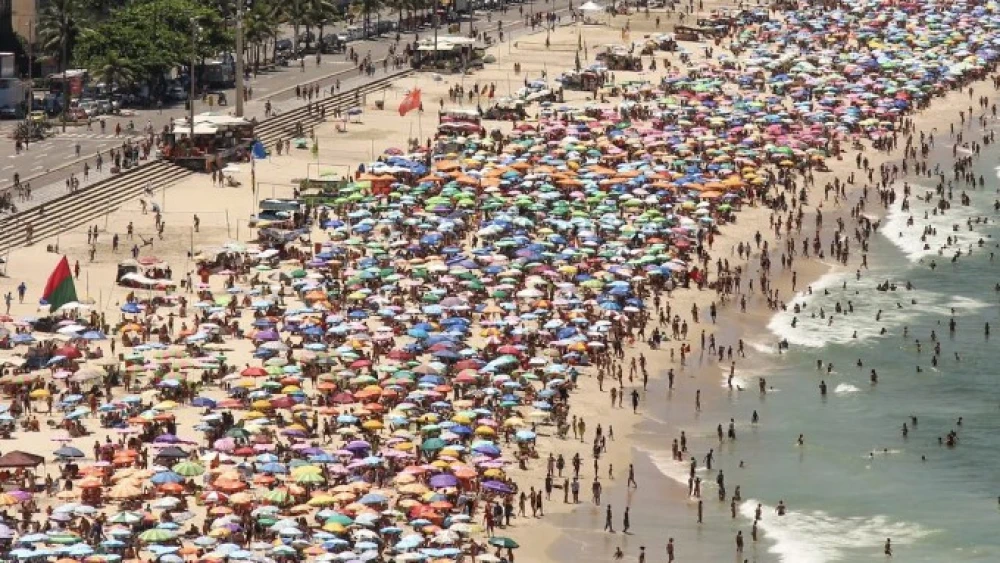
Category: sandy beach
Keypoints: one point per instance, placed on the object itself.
(567, 529)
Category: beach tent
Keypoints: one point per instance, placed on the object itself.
(20, 459)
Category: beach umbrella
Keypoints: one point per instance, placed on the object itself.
(125, 518)
(188, 469)
(164, 477)
(504, 542)
(68, 452)
(157, 535)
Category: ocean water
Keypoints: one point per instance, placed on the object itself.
(856, 480)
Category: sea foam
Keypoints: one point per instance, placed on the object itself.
(818, 537)
(898, 309)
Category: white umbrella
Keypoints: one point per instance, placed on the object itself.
(591, 7)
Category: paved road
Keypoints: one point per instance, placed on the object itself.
(50, 157)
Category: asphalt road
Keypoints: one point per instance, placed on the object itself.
(50, 162)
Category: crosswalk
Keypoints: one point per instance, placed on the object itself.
(92, 136)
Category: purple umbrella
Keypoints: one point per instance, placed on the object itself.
(21, 496)
(267, 335)
(167, 439)
(358, 446)
(443, 480)
(498, 487)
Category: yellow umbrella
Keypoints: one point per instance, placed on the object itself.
(372, 425)
(322, 500)
(40, 394)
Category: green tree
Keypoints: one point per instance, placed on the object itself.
(261, 24)
(59, 25)
(322, 13)
(155, 36)
(295, 12)
(113, 69)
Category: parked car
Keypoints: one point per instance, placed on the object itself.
(177, 94)
(38, 116)
(106, 106)
(90, 107)
(7, 112)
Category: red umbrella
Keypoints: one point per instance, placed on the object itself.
(282, 402)
(360, 364)
(401, 355)
(254, 372)
(69, 352)
(343, 398)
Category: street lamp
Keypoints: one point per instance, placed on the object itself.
(65, 84)
(239, 58)
(194, 54)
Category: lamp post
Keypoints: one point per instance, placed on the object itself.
(436, 22)
(31, 90)
(194, 55)
(65, 84)
(239, 58)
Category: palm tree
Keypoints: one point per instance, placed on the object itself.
(59, 23)
(399, 6)
(295, 12)
(322, 13)
(366, 8)
(260, 25)
(58, 26)
(115, 70)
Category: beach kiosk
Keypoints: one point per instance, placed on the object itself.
(214, 141)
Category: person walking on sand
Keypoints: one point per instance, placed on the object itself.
(625, 522)
(888, 547)
(631, 477)
(21, 290)
(608, 526)
(595, 490)
(670, 550)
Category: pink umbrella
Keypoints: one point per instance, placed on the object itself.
(225, 445)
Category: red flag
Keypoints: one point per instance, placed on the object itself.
(410, 102)
(59, 289)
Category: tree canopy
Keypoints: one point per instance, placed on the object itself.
(151, 37)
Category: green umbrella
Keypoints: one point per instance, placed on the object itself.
(503, 541)
(307, 478)
(188, 469)
(338, 518)
(432, 445)
(157, 535)
(126, 518)
(277, 496)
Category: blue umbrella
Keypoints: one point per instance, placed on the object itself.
(164, 477)
(68, 451)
